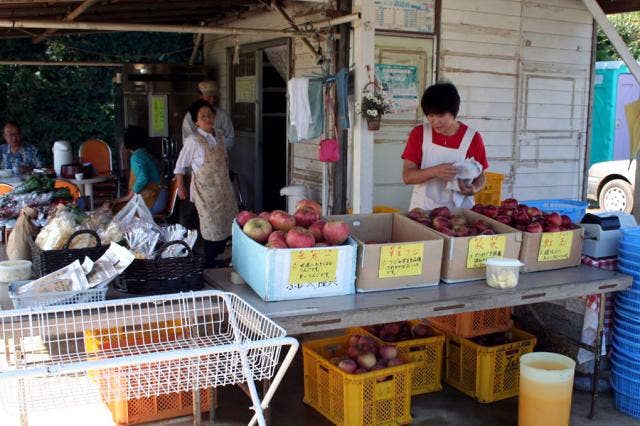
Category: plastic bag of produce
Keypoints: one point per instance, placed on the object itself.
(62, 223)
(135, 208)
(18, 242)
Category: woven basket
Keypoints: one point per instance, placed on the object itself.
(47, 261)
(159, 276)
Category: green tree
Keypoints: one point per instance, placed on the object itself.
(75, 103)
(628, 26)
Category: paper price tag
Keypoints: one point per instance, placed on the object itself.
(313, 266)
(483, 247)
(555, 246)
(401, 260)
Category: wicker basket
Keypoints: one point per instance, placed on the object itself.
(47, 261)
(159, 276)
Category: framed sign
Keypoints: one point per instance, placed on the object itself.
(246, 89)
(158, 116)
(401, 86)
(417, 16)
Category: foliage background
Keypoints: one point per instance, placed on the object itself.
(628, 26)
(75, 103)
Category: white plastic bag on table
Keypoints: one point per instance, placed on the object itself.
(135, 208)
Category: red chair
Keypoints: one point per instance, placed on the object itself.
(98, 153)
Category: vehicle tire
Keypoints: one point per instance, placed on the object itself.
(616, 195)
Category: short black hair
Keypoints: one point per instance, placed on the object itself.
(440, 98)
(135, 137)
(195, 107)
(12, 123)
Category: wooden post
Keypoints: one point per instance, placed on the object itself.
(363, 52)
(86, 4)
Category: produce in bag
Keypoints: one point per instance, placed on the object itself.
(62, 223)
(135, 208)
(141, 237)
(18, 242)
(177, 232)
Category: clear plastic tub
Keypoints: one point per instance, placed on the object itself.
(15, 270)
(503, 272)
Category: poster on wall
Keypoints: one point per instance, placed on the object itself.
(406, 15)
(158, 116)
(400, 86)
(246, 89)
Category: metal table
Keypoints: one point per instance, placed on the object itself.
(330, 313)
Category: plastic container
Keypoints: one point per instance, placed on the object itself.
(36, 300)
(572, 208)
(486, 373)
(546, 387)
(157, 407)
(15, 270)
(492, 191)
(62, 154)
(471, 324)
(381, 397)
(294, 193)
(626, 404)
(502, 272)
(425, 352)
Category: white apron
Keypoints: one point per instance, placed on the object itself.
(433, 193)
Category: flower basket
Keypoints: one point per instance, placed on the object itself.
(373, 105)
(373, 123)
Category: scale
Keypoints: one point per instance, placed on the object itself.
(602, 232)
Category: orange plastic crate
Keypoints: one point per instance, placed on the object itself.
(472, 324)
(153, 408)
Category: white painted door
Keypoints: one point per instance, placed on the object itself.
(404, 66)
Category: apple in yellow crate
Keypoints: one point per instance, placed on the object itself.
(335, 232)
(299, 237)
(258, 229)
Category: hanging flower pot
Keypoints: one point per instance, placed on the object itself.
(373, 123)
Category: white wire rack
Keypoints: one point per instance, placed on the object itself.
(137, 347)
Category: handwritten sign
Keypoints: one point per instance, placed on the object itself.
(483, 247)
(555, 246)
(402, 260)
(313, 266)
(158, 116)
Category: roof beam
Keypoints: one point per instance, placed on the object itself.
(70, 17)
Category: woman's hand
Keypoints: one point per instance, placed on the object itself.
(466, 187)
(445, 171)
(182, 192)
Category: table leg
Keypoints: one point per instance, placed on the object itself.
(88, 191)
(213, 404)
(197, 410)
(598, 349)
(266, 383)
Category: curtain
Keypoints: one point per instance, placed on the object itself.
(279, 58)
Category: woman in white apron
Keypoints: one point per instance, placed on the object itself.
(432, 149)
(210, 190)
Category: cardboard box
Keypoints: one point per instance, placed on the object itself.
(283, 274)
(398, 241)
(530, 251)
(456, 249)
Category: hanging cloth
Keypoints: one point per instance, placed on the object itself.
(342, 85)
(316, 107)
(299, 110)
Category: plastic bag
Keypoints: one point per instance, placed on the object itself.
(141, 237)
(177, 232)
(54, 235)
(135, 208)
(18, 242)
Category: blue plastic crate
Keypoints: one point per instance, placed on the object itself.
(631, 305)
(629, 327)
(622, 268)
(631, 235)
(623, 383)
(629, 256)
(630, 246)
(626, 368)
(627, 316)
(572, 208)
(631, 293)
(625, 357)
(629, 264)
(626, 404)
(627, 342)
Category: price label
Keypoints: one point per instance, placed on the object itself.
(313, 266)
(555, 246)
(402, 260)
(483, 247)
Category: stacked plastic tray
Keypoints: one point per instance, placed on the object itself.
(625, 377)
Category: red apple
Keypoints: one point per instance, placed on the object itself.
(277, 236)
(446, 231)
(566, 221)
(478, 208)
(473, 231)
(504, 219)
(323, 244)
(417, 213)
(281, 220)
(335, 232)
(425, 221)
(510, 203)
(265, 215)
(551, 228)
(488, 232)
(278, 244)
(440, 211)
(533, 212)
(258, 229)
(491, 211)
(480, 225)
(520, 227)
(506, 211)
(554, 219)
(305, 216)
(458, 219)
(521, 217)
(460, 231)
(311, 204)
(440, 222)
(534, 227)
(244, 216)
(316, 229)
(299, 237)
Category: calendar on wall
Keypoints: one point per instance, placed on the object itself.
(406, 15)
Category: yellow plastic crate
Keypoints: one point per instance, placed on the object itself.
(354, 399)
(471, 324)
(425, 352)
(492, 191)
(154, 408)
(380, 209)
(487, 373)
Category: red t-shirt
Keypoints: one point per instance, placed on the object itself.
(413, 150)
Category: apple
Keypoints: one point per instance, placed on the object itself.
(534, 227)
(281, 220)
(521, 217)
(473, 231)
(446, 231)
(299, 237)
(277, 244)
(457, 219)
(335, 232)
(244, 216)
(258, 229)
(323, 244)
(488, 232)
(478, 208)
(440, 222)
(491, 211)
(504, 219)
(551, 228)
(520, 227)
(533, 212)
(566, 221)
(425, 221)
(554, 219)
(417, 213)
(480, 225)
(506, 211)
(510, 203)
(277, 235)
(310, 204)
(265, 215)
(440, 211)
(460, 231)
(305, 216)
(316, 229)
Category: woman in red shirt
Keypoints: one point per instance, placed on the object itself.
(433, 147)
